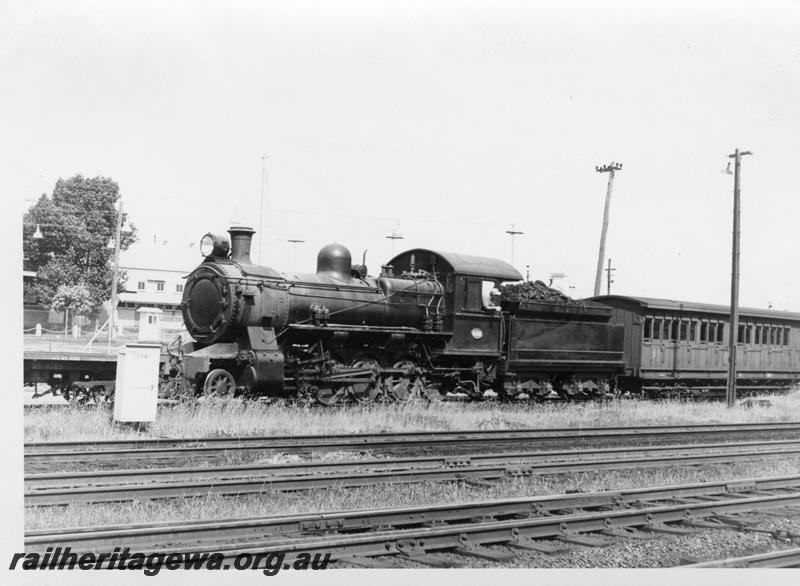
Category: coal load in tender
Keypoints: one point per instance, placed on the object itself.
(531, 291)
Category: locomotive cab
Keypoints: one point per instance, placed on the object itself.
(470, 313)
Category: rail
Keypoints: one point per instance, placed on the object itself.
(120, 485)
(380, 537)
(413, 439)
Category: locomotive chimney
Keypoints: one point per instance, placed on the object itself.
(241, 239)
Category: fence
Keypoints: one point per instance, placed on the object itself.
(43, 331)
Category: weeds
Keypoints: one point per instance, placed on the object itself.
(236, 418)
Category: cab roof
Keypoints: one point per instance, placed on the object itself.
(462, 264)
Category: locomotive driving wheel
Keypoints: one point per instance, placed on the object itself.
(328, 394)
(404, 386)
(369, 390)
(219, 383)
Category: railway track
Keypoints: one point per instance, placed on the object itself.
(785, 558)
(121, 485)
(429, 535)
(47, 454)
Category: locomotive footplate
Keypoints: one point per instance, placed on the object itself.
(332, 329)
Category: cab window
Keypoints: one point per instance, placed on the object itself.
(490, 295)
(472, 294)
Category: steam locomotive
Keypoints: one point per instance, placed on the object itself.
(431, 323)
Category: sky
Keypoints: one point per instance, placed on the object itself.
(447, 123)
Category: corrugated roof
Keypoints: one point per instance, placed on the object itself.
(674, 305)
(465, 264)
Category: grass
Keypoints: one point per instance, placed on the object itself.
(379, 496)
(234, 418)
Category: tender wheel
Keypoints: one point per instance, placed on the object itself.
(219, 383)
(367, 391)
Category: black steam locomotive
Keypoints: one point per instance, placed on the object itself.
(431, 323)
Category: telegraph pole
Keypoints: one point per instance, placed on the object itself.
(114, 279)
(394, 236)
(261, 209)
(734, 322)
(610, 169)
(513, 233)
(294, 241)
(609, 279)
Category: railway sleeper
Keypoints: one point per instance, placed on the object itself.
(483, 553)
(657, 527)
(431, 559)
(583, 539)
(627, 533)
(541, 546)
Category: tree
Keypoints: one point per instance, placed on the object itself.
(73, 300)
(76, 223)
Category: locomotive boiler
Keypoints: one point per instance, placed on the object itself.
(429, 324)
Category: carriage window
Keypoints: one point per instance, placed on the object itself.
(772, 335)
(657, 323)
(673, 330)
(684, 329)
(693, 331)
(648, 328)
(740, 336)
(786, 336)
(779, 337)
(748, 334)
(757, 339)
(704, 331)
(720, 333)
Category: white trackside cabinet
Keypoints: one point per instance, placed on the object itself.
(136, 393)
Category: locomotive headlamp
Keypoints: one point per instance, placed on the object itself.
(214, 245)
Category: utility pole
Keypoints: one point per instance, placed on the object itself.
(734, 323)
(114, 280)
(394, 236)
(294, 241)
(513, 233)
(261, 209)
(609, 279)
(610, 169)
